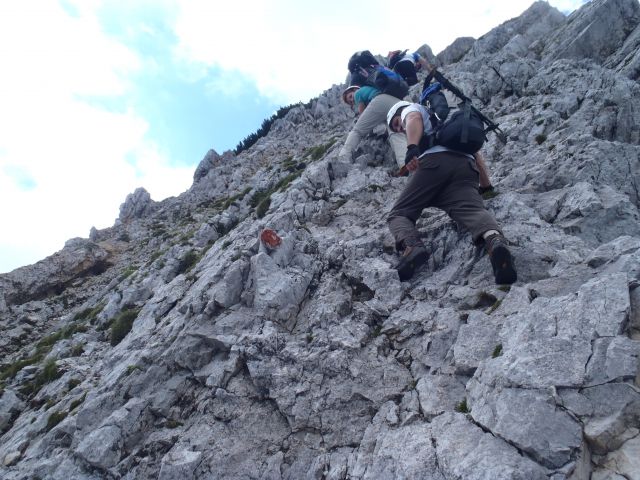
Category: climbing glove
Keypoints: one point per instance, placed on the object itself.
(412, 151)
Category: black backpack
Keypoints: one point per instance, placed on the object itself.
(362, 59)
(463, 131)
(360, 66)
(398, 55)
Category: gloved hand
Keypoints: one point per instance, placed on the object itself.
(412, 152)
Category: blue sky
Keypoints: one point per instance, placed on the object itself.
(100, 97)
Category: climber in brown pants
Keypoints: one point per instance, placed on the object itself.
(448, 180)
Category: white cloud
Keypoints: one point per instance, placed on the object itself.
(83, 159)
(294, 50)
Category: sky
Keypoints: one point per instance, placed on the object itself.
(100, 97)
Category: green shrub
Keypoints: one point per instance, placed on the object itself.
(55, 418)
(187, 262)
(130, 270)
(540, 138)
(462, 407)
(171, 423)
(497, 351)
(89, 314)
(266, 126)
(73, 383)
(263, 207)
(77, 350)
(49, 372)
(76, 403)
(494, 307)
(122, 324)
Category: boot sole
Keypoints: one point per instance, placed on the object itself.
(406, 271)
(505, 272)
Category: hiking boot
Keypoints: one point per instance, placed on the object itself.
(503, 269)
(413, 257)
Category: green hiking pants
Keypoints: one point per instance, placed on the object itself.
(448, 181)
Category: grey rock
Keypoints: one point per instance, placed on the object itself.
(102, 448)
(465, 451)
(626, 59)
(596, 30)
(544, 431)
(179, 464)
(136, 205)
(205, 165)
(613, 359)
(439, 394)
(455, 51)
(623, 463)
(10, 406)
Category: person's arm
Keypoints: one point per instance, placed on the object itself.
(421, 62)
(361, 107)
(485, 181)
(414, 128)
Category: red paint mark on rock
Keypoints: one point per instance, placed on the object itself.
(270, 238)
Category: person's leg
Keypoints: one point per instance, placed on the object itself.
(462, 202)
(423, 186)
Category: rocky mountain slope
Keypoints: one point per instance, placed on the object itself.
(178, 344)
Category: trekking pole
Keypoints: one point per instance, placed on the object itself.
(491, 125)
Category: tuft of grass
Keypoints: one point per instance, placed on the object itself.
(77, 350)
(462, 407)
(76, 403)
(122, 325)
(89, 314)
(497, 351)
(54, 419)
(317, 152)
(188, 262)
(48, 374)
(494, 307)
(131, 369)
(171, 423)
(73, 383)
(504, 288)
(540, 138)
(130, 270)
(282, 185)
(263, 207)
(490, 194)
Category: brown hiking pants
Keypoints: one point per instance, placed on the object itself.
(446, 180)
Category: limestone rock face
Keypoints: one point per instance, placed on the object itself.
(184, 342)
(136, 205)
(596, 31)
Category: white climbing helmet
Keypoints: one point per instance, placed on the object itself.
(347, 90)
(393, 111)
